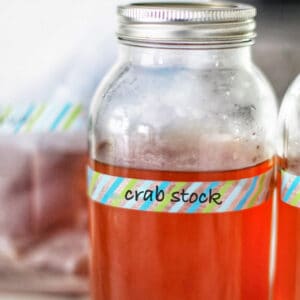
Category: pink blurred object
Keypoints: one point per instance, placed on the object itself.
(59, 188)
(16, 191)
(43, 216)
(63, 252)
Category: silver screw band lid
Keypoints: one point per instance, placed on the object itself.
(206, 23)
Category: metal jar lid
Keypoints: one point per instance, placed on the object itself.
(213, 24)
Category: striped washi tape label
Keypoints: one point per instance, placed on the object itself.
(290, 188)
(41, 117)
(178, 197)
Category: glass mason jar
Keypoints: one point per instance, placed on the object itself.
(181, 137)
(288, 261)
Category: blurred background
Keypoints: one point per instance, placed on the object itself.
(45, 42)
(59, 50)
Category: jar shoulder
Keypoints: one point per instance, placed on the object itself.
(160, 113)
(289, 127)
(291, 99)
(165, 95)
(129, 83)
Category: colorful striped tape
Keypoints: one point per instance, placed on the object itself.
(178, 197)
(290, 188)
(42, 117)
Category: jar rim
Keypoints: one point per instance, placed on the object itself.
(201, 23)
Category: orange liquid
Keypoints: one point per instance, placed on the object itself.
(162, 256)
(287, 282)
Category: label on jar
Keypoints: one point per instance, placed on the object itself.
(290, 188)
(41, 117)
(177, 196)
